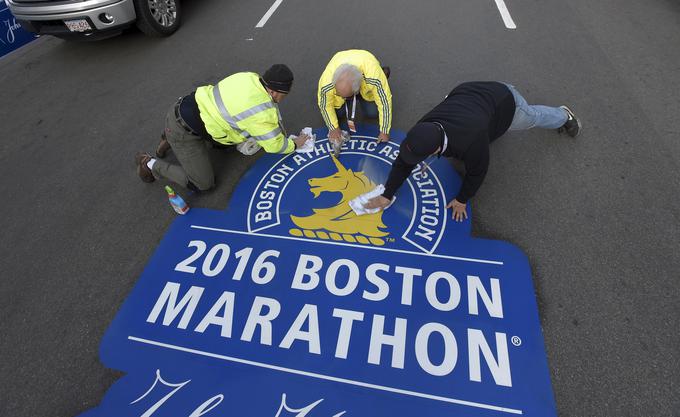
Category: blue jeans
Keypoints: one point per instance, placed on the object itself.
(528, 116)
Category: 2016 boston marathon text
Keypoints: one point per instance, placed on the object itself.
(372, 285)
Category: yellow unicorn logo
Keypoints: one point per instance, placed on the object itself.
(339, 222)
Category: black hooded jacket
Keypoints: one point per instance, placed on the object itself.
(474, 114)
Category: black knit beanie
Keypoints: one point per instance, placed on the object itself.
(278, 78)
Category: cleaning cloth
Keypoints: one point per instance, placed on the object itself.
(337, 145)
(248, 147)
(357, 204)
(309, 144)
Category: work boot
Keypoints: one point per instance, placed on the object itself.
(163, 147)
(144, 172)
(387, 71)
(572, 126)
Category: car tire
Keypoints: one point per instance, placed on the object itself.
(158, 17)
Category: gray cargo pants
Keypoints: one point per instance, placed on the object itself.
(195, 170)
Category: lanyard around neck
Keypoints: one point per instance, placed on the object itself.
(354, 107)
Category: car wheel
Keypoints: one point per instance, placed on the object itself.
(158, 17)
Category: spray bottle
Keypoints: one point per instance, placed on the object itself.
(177, 203)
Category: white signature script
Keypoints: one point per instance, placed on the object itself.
(12, 25)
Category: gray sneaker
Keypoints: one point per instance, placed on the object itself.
(572, 126)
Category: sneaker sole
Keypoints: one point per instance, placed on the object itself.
(141, 172)
(578, 121)
(144, 178)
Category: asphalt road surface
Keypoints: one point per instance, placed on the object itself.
(598, 216)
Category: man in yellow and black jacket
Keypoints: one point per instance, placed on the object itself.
(241, 108)
(351, 76)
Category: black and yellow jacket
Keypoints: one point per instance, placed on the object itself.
(374, 87)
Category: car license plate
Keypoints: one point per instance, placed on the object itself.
(78, 25)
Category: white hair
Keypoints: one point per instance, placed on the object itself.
(350, 73)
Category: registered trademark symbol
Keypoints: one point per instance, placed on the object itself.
(516, 340)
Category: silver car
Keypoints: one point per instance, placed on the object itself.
(96, 19)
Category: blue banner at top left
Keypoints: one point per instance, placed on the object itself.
(12, 35)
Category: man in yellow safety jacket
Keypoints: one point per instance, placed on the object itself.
(352, 76)
(242, 110)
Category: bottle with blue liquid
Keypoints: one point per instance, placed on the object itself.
(177, 202)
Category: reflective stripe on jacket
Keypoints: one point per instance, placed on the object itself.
(238, 108)
(374, 87)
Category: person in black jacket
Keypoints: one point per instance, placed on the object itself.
(472, 115)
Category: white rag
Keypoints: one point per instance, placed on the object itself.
(357, 204)
(337, 145)
(309, 144)
(248, 147)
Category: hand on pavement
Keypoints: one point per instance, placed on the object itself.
(383, 137)
(459, 214)
(377, 202)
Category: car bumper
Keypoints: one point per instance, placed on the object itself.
(49, 17)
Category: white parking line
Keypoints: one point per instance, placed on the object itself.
(505, 14)
(269, 14)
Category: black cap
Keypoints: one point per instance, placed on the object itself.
(421, 141)
(278, 78)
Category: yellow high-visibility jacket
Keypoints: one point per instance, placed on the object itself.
(238, 108)
(374, 87)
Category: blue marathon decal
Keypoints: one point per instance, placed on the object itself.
(12, 35)
(288, 304)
